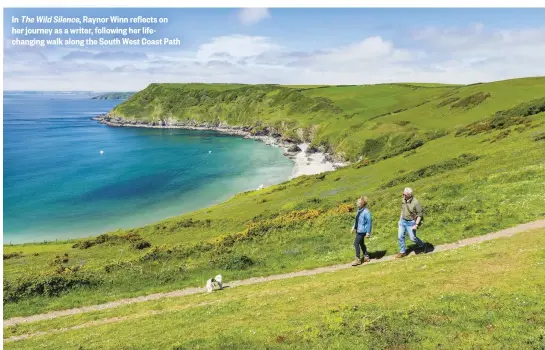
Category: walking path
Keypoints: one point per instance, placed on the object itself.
(254, 280)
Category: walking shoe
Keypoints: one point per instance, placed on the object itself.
(356, 262)
(366, 259)
(400, 255)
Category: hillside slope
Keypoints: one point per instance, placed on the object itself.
(483, 296)
(344, 120)
(475, 156)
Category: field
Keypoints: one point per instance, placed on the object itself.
(475, 156)
(488, 295)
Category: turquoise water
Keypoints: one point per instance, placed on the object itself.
(58, 185)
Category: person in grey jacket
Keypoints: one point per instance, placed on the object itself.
(410, 219)
(362, 227)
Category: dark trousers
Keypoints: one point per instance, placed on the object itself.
(359, 242)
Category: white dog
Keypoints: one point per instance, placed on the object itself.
(214, 282)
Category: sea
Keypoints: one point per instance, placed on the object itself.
(67, 176)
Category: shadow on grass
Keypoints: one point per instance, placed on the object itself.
(428, 249)
(379, 254)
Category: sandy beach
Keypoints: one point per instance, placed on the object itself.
(310, 163)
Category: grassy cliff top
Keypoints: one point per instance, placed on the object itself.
(340, 119)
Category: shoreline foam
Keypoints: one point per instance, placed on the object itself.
(305, 163)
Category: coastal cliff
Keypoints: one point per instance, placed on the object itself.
(342, 121)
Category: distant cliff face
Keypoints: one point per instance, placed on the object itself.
(114, 96)
(362, 122)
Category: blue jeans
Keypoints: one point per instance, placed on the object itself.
(407, 226)
(360, 242)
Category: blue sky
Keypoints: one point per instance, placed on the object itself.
(289, 46)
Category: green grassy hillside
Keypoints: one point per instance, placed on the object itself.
(342, 119)
(478, 297)
(475, 156)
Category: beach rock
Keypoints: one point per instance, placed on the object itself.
(289, 140)
(312, 149)
(294, 149)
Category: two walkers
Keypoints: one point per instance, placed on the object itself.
(409, 221)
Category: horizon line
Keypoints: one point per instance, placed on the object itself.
(327, 85)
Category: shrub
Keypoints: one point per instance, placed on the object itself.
(362, 163)
(13, 255)
(49, 285)
(373, 147)
(142, 245)
(190, 223)
(308, 203)
(278, 188)
(503, 134)
(60, 260)
(447, 101)
(435, 169)
(158, 252)
(88, 243)
(83, 244)
(132, 237)
(538, 137)
(435, 134)
(472, 100)
(505, 119)
(238, 262)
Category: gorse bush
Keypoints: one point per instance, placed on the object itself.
(435, 169)
(142, 245)
(60, 259)
(471, 101)
(130, 237)
(88, 243)
(539, 136)
(505, 119)
(254, 229)
(13, 255)
(48, 285)
(447, 102)
(391, 145)
(237, 262)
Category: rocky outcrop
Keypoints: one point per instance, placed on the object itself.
(294, 149)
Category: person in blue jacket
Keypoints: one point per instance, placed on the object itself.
(362, 227)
